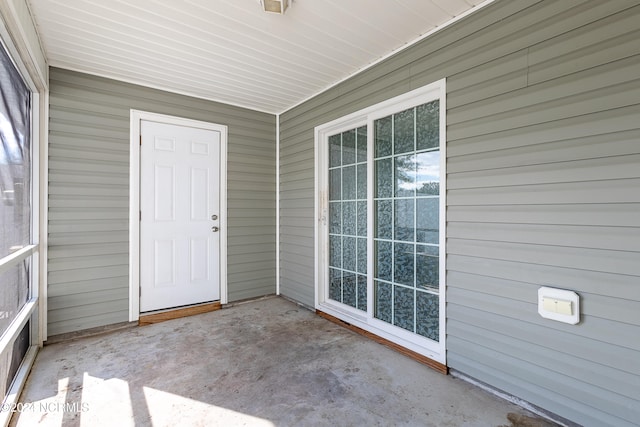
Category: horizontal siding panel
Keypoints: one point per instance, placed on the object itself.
(88, 226)
(252, 276)
(243, 294)
(63, 264)
(601, 215)
(93, 321)
(595, 147)
(83, 143)
(619, 96)
(603, 122)
(75, 202)
(560, 97)
(239, 267)
(84, 274)
(609, 191)
(588, 237)
(266, 250)
(610, 168)
(542, 356)
(86, 214)
(86, 178)
(87, 238)
(589, 281)
(116, 308)
(87, 166)
(70, 251)
(87, 287)
(577, 258)
(79, 300)
(509, 376)
(580, 347)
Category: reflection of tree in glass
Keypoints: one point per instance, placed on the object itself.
(429, 187)
(405, 165)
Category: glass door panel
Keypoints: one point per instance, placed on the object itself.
(406, 230)
(348, 218)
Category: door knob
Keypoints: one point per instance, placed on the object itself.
(214, 229)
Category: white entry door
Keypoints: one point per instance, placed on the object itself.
(179, 219)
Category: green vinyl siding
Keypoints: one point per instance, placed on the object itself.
(543, 189)
(88, 241)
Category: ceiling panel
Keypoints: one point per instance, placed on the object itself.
(230, 51)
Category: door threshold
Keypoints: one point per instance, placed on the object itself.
(176, 313)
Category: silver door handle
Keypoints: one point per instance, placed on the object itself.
(214, 229)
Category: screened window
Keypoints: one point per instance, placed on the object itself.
(17, 247)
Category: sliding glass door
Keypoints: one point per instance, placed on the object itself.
(380, 240)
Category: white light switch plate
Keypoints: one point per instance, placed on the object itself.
(559, 304)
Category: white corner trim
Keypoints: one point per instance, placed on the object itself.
(277, 204)
(136, 117)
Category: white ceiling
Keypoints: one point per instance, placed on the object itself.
(229, 50)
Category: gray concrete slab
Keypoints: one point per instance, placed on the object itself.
(264, 363)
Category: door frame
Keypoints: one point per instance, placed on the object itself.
(136, 117)
(366, 321)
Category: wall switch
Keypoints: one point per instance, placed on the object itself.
(559, 304)
(554, 305)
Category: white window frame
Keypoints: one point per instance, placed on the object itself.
(429, 348)
(34, 310)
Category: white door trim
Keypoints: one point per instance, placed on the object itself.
(134, 201)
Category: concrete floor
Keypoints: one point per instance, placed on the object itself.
(263, 363)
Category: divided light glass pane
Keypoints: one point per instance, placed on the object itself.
(383, 301)
(362, 292)
(362, 219)
(335, 181)
(335, 151)
(349, 289)
(335, 284)
(349, 147)
(335, 217)
(384, 256)
(349, 218)
(384, 219)
(428, 173)
(348, 183)
(384, 178)
(349, 253)
(335, 251)
(427, 315)
(403, 264)
(404, 228)
(383, 137)
(361, 144)
(405, 176)
(362, 182)
(428, 125)
(428, 267)
(404, 131)
(403, 307)
(428, 220)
